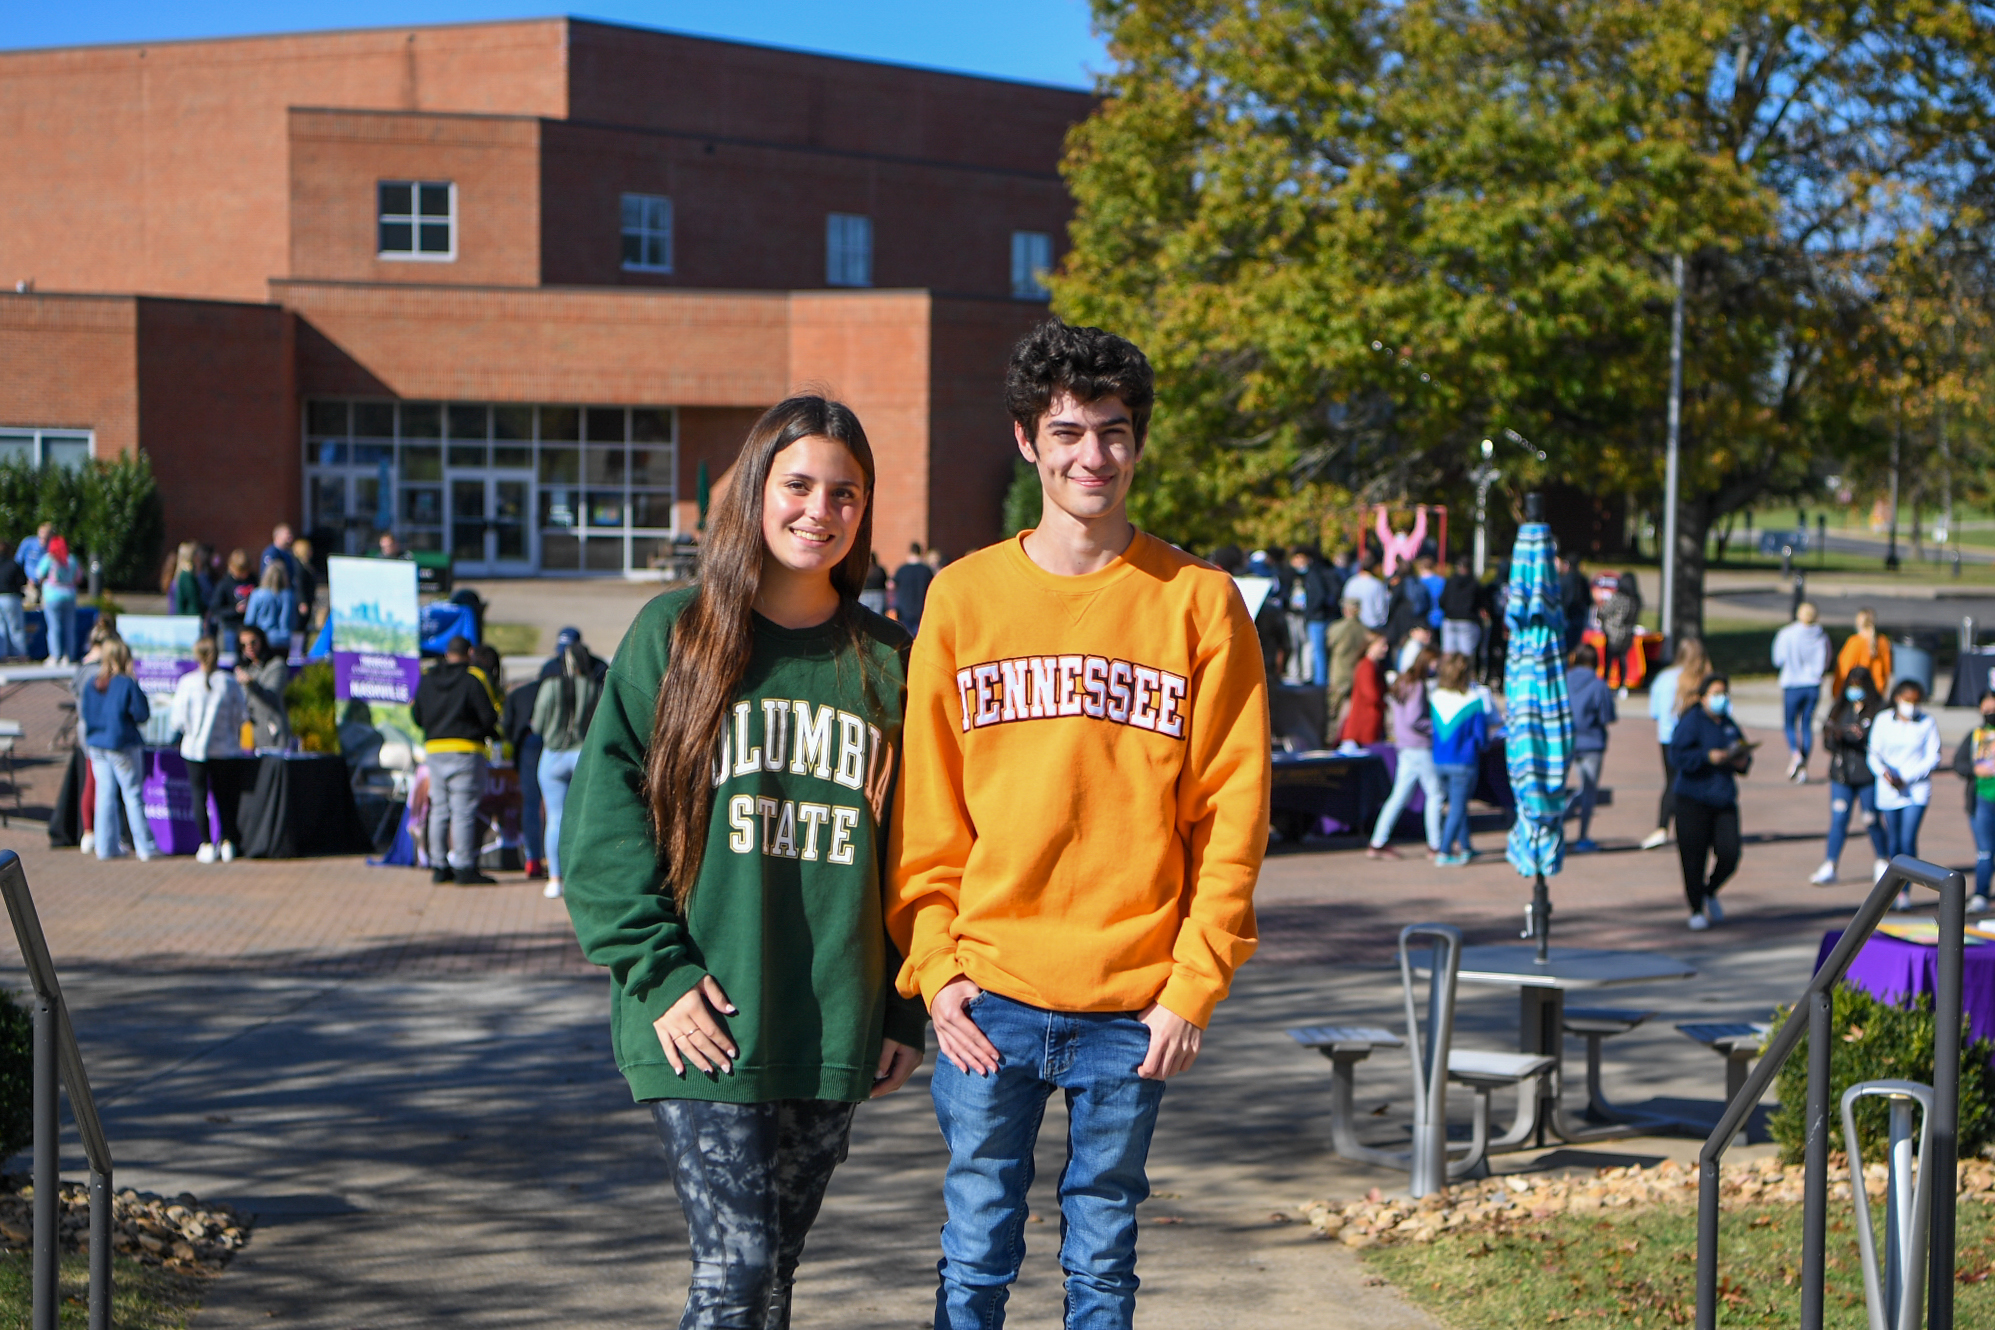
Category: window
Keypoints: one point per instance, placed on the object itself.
(1031, 260)
(65, 448)
(418, 220)
(647, 233)
(848, 250)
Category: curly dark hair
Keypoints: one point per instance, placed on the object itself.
(1091, 364)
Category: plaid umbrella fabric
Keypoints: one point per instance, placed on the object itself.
(1538, 714)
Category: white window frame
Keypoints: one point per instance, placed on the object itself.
(648, 227)
(848, 249)
(415, 221)
(41, 436)
(1025, 276)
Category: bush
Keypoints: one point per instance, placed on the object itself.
(312, 708)
(1879, 1041)
(1022, 498)
(17, 1076)
(108, 508)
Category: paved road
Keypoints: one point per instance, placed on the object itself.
(1895, 614)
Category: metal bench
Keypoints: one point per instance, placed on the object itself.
(1346, 1046)
(1738, 1042)
(1595, 1024)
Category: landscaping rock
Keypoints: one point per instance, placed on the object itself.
(181, 1233)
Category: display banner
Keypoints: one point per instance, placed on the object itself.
(162, 651)
(376, 652)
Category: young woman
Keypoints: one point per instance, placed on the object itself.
(101, 632)
(56, 575)
(208, 711)
(1852, 786)
(562, 710)
(1461, 731)
(1801, 653)
(724, 857)
(228, 598)
(1670, 692)
(273, 607)
(184, 592)
(1866, 649)
(1592, 712)
(1709, 753)
(1976, 761)
(114, 716)
(1904, 749)
(1364, 722)
(1412, 735)
(264, 676)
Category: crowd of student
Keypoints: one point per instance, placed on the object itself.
(276, 591)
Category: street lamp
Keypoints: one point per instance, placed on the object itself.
(1483, 476)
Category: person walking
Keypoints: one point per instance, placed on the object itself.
(13, 614)
(516, 729)
(1904, 750)
(1709, 752)
(1672, 692)
(1865, 649)
(264, 676)
(1461, 610)
(208, 712)
(1852, 784)
(1412, 738)
(911, 582)
(55, 574)
(1075, 851)
(114, 713)
(1460, 733)
(561, 713)
(1801, 653)
(723, 856)
(273, 607)
(453, 708)
(1592, 712)
(1975, 760)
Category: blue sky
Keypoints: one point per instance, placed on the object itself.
(1045, 41)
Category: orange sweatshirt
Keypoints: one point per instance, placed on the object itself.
(1083, 801)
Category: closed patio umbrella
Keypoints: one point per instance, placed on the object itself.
(1537, 715)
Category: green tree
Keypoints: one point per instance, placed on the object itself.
(1359, 237)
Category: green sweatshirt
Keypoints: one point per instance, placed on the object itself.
(787, 910)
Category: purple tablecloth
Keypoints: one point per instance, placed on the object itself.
(1892, 969)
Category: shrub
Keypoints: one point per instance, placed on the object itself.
(1878, 1041)
(108, 508)
(17, 1076)
(1022, 498)
(309, 701)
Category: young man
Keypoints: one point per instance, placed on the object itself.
(1080, 821)
(1373, 599)
(911, 581)
(454, 709)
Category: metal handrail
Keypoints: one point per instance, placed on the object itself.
(1944, 1147)
(58, 1065)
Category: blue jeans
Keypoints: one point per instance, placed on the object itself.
(1455, 831)
(557, 769)
(1415, 764)
(1319, 652)
(14, 626)
(1797, 709)
(991, 1124)
(120, 772)
(1901, 829)
(60, 614)
(1983, 821)
(527, 760)
(1843, 801)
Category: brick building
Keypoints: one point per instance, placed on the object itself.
(504, 287)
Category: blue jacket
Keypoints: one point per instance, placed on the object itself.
(1592, 710)
(1461, 728)
(1697, 733)
(273, 612)
(112, 718)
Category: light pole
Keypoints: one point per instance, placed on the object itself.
(1670, 465)
(1483, 476)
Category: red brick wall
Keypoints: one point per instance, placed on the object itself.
(218, 416)
(71, 361)
(710, 434)
(162, 168)
(972, 448)
(338, 157)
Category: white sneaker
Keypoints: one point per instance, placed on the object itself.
(1793, 765)
(1877, 869)
(1904, 901)
(1658, 837)
(86, 842)
(1977, 904)
(1698, 923)
(146, 856)
(1824, 875)
(206, 854)
(1801, 776)
(1713, 910)
(228, 851)
(552, 890)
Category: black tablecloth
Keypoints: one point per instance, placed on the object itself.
(302, 806)
(1299, 713)
(1973, 675)
(1348, 790)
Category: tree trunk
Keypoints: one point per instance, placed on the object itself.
(1693, 526)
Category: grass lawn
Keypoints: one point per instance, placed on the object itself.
(513, 639)
(1640, 1269)
(143, 1297)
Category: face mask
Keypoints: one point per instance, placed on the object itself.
(1905, 710)
(1720, 704)
(1853, 694)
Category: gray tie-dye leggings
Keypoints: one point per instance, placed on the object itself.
(750, 1179)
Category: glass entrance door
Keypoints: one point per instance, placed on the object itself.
(489, 535)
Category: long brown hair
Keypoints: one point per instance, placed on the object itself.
(1693, 667)
(715, 633)
(1414, 676)
(114, 658)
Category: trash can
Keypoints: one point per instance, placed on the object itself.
(1911, 662)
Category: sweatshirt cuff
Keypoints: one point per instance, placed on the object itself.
(1189, 998)
(937, 971)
